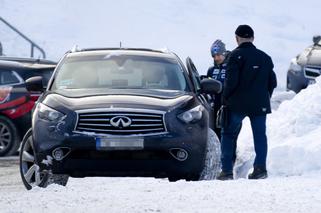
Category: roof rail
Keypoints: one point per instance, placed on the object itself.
(27, 60)
(117, 48)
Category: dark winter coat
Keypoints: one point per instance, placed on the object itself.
(250, 81)
(218, 72)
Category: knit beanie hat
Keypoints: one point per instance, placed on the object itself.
(218, 48)
(244, 31)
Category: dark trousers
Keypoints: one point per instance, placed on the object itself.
(218, 132)
(229, 136)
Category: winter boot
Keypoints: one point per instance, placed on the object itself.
(258, 173)
(225, 176)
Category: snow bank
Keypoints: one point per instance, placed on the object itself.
(294, 136)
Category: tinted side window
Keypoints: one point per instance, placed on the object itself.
(8, 77)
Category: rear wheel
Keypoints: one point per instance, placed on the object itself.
(9, 138)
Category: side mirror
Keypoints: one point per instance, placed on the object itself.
(316, 39)
(35, 84)
(211, 86)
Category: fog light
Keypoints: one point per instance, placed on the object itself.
(58, 154)
(181, 154)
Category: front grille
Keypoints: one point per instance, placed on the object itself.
(312, 71)
(116, 123)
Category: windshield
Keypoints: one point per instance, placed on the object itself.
(120, 72)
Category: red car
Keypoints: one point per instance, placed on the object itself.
(16, 103)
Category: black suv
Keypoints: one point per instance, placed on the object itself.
(121, 112)
(16, 102)
(305, 67)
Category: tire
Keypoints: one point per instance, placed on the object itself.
(212, 166)
(58, 179)
(30, 172)
(9, 137)
(174, 178)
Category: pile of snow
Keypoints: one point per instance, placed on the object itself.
(280, 96)
(294, 132)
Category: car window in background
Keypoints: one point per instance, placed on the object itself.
(8, 77)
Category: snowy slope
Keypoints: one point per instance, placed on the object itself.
(188, 27)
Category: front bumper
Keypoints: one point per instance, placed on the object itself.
(296, 81)
(84, 158)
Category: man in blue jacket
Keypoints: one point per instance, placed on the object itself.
(249, 84)
(218, 72)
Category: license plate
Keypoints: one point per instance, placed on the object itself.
(119, 143)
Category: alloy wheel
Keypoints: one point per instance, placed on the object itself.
(5, 136)
(30, 171)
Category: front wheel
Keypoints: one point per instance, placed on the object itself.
(212, 164)
(30, 172)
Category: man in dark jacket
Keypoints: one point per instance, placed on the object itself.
(218, 72)
(249, 84)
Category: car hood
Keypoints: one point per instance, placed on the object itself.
(313, 58)
(92, 99)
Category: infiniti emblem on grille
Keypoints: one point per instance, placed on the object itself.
(120, 121)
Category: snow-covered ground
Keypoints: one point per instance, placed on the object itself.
(276, 194)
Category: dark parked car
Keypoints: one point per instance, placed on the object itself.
(121, 112)
(16, 102)
(305, 67)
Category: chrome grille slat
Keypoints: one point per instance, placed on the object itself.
(148, 120)
(116, 114)
(143, 125)
(89, 124)
(99, 122)
(105, 130)
(94, 119)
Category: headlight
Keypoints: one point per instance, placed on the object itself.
(47, 113)
(294, 66)
(194, 114)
